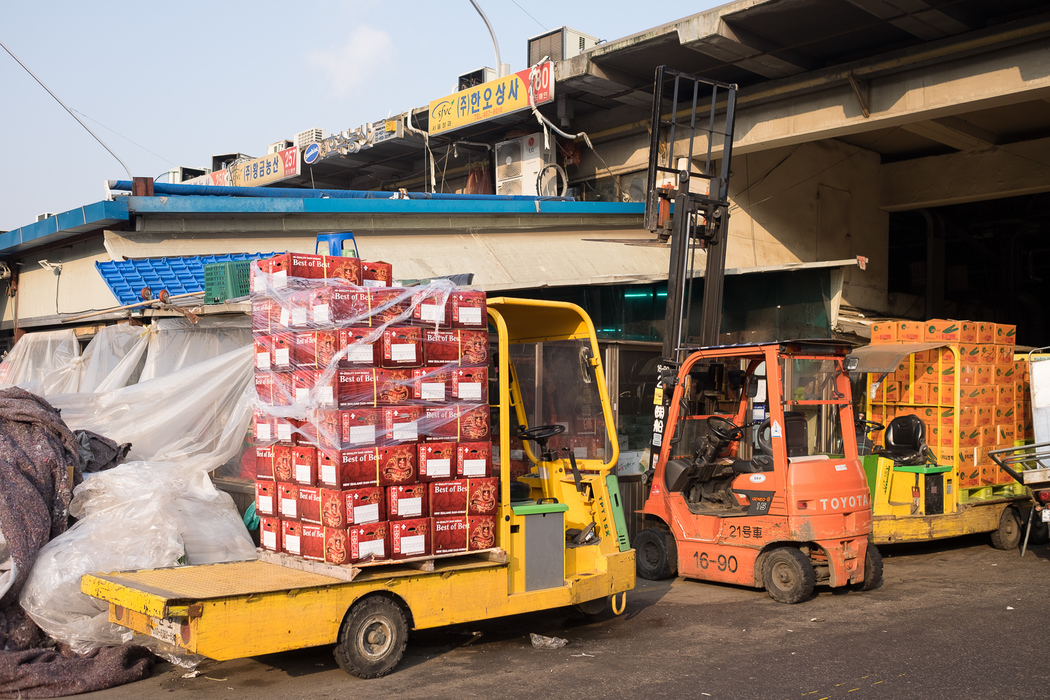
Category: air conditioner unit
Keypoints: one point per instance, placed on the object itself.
(518, 164)
(182, 174)
(278, 146)
(475, 77)
(223, 160)
(305, 138)
(561, 44)
(45, 215)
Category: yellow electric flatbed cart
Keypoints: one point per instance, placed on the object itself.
(954, 488)
(561, 532)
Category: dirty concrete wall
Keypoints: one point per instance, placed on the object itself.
(811, 202)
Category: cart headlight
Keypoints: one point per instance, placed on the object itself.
(851, 363)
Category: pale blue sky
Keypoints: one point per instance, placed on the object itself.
(169, 84)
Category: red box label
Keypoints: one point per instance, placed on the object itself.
(474, 460)
(369, 542)
(309, 504)
(410, 538)
(270, 535)
(406, 502)
(436, 460)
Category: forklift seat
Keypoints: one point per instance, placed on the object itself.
(905, 439)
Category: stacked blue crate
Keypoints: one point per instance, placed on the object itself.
(177, 275)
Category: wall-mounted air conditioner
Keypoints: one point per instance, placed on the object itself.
(278, 146)
(182, 174)
(560, 44)
(305, 138)
(518, 164)
(475, 77)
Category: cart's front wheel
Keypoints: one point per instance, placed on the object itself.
(373, 637)
(1008, 534)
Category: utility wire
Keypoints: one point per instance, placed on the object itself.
(166, 160)
(38, 80)
(530, 16)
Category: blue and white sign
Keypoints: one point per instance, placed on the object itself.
(311, 153)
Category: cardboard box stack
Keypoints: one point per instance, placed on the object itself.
(372, 424)
(994, 404)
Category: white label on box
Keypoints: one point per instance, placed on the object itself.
(373, 283)
(269, 539)
(403, 352)
(279, 279)
(360, 352)
(405, 432)
(262, 431)
(580, 452)
(288, 507)
(432, 391)
(298, 316)
(432, 312)
(328, 474)
(439, 467)
(302, 474)
(302, 394)
(416, 544)
(470, 391)
(284, 431)
(470, 314)
(281, 357)
(474, 467)
(410, 506)
(327, 395)
(285, 316)
(322, 314)
(363, 434)
(291, 544)
(366, 514)
(371, 548)
(266, 505)
(262, 361)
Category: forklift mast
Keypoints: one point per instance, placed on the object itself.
(690, 116)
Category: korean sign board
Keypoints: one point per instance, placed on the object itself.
(352, 141)
(492, 99)
(254, 173)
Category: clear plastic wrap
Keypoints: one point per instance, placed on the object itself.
(348, 367)
(138, 515)
(176, 343)
(106, 351)
(43, 363)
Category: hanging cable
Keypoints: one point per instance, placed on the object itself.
(426, 146)
(548, 124)
(86, 128)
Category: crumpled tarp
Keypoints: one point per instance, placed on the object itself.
(40, 463)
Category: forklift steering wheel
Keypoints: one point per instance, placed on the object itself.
(724, 429)
(540, 432)
(870, 426)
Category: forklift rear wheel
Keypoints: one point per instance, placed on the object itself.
(1008, 534)
(372, 638)
(591, 608)
(788, 575)
(872, 569)
(656, 554)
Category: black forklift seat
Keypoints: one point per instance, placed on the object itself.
(905, 439)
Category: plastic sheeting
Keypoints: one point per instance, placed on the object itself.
(44, 363)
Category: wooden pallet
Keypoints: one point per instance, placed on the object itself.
(388, 567)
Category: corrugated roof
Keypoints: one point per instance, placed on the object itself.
(179, 275)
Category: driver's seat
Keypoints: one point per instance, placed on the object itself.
(905, 439)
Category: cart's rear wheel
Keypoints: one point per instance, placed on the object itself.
(788, 575)
(373, 637)
(656, 554)
(1008, 534)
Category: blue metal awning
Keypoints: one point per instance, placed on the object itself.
(177, 275)
(70, 223)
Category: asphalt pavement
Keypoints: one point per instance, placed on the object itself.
(953, 619)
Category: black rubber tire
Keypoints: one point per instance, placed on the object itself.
(1009, 533)
(872, 569)
(372, 638)
(1040, 532)
(788, 575)
(591, 608)
(656, 554)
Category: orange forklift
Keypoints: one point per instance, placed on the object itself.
(754, 477)
(756, 481)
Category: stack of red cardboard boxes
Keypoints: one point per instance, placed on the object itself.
(372, 423)
(994, 404)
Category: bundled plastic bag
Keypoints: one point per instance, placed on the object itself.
(138, 515)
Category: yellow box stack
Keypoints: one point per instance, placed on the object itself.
(988, 390)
